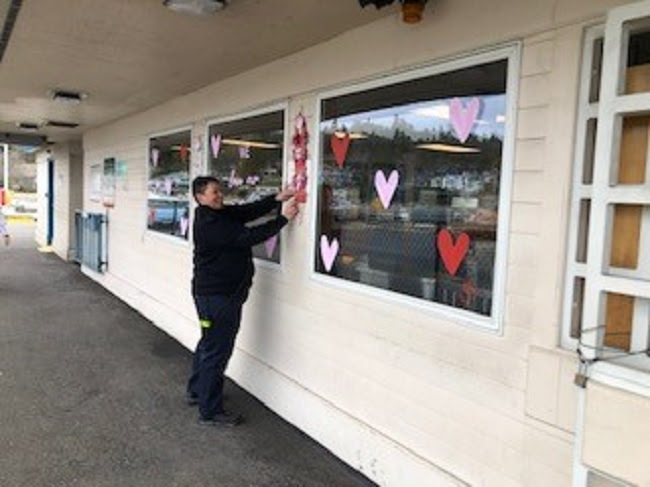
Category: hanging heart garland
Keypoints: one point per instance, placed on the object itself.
(299, 143)
(198, 144)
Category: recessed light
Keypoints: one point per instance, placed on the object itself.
(65, 125)
(28, 125)
(195, 7)
(68, 96)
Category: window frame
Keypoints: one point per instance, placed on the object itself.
(579, 190)
(510, 52)
(152, 233)
(282, 106)
(632, 372)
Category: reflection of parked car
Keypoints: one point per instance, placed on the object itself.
(166, 212)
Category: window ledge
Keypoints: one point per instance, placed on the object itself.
(631, 380)
(453, 315)
(153, 236)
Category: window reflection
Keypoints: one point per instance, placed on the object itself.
(246, 155)
(410, 189)
(168, 184)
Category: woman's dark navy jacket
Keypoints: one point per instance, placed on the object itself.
(223, 260)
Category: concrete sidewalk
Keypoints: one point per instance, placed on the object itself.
(91, 394)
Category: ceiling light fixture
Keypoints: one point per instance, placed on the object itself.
(353, 135)
(68, 96)
(411, 9)
(250, 143)
(195, 7)
(63, 125)
(28, 125)
(459, 149)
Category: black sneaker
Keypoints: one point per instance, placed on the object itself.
(223, 419)
(191, 399)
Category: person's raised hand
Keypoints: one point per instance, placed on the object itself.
(285, 194)
(290, 210)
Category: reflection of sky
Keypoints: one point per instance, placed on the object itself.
(433, 115)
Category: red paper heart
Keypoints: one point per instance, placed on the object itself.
(340, 147)
(452, 254)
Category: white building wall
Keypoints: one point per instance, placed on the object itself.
(404, 395)
(61, 241)
(617, 439)
(40, 232)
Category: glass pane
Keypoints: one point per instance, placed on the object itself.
(633, 150)
(583, 230)
(590, 150)
(168, 184)
(637, 74)
(576, 306)
(409, 186)
(596, 70)
(628, 253)
(619, 314)
(246, 155)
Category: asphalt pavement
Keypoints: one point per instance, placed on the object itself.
(92, 394)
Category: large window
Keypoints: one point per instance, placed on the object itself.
(168, 184)
(409, 186)
(246, 155)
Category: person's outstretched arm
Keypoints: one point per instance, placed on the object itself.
(252, 211)
(235, 234)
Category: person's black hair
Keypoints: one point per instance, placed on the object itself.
(200, 183)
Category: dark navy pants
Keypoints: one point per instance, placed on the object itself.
(220, 317)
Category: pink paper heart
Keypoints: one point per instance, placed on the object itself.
(328, 252)
(184, 223)
(386, 189)
(463, 118)
(215, 142)
(270, 244)
(154, 156)
(452, 254)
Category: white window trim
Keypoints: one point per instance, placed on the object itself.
(152, 234)
(579, 190)
(253, 112)
(494, 323)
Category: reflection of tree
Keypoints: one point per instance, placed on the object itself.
(398, 149)
(168, 161)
